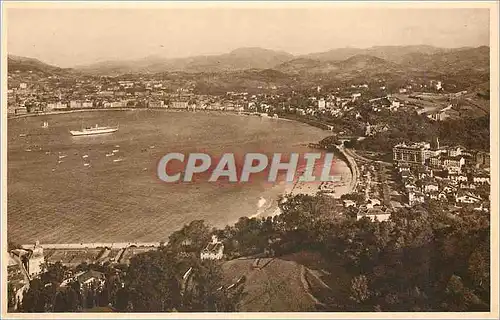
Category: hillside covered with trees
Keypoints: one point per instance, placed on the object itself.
(422, 259)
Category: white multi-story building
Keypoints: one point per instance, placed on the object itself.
(179, 105)
(213, 251)
(415, 197)
(321, 104)
(453, 164)
(87, 104)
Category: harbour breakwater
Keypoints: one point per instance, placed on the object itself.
(96, 245)
(74, 254)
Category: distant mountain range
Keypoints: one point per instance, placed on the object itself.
(23, 64)
(389, 53)
(391, 59)
(239, 59)
(337, 63)
(354, 64)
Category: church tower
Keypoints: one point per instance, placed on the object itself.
(435, 145)
(36, 260)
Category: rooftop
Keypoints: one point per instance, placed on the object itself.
(373, 211)
(413, 145)
(213, 247)
(89, 275)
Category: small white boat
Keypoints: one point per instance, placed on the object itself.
(116, 150)
(117, 146)
(62, 156)
(151, 147)
(59, 162)
(23, 135)
(86, 164)
(118, 160)
(27, 150)
(85, 156)
(45, 125)
(109, 154)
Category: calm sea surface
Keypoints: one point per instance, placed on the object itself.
(54, 197)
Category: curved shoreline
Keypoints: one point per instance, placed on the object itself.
(349, 160)
(272, 208)
(28, 115)
(243, 113)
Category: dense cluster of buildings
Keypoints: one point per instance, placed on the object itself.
(449, 174)
(29, 94)
(435, 156)
(372, 186)
(28, 262)
(452, 175)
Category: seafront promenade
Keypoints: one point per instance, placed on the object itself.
(340, 189)
(354, 168)
(51, 113)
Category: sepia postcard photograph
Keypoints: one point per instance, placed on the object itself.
(249, 159)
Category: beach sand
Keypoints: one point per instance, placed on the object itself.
(334, 189)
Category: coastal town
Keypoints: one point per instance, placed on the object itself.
(418, 172)
(34, 93)
(150, 157)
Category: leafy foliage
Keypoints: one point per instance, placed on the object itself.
(404, 127)
(193, 237)
(41, 295)
(422, 259)
(152, 282)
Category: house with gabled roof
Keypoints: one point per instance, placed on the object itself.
(467, 197)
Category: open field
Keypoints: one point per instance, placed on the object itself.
(274, 287)
(325, 279)
(468, 104)
(424, 102)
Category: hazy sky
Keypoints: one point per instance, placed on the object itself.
(68, 37)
